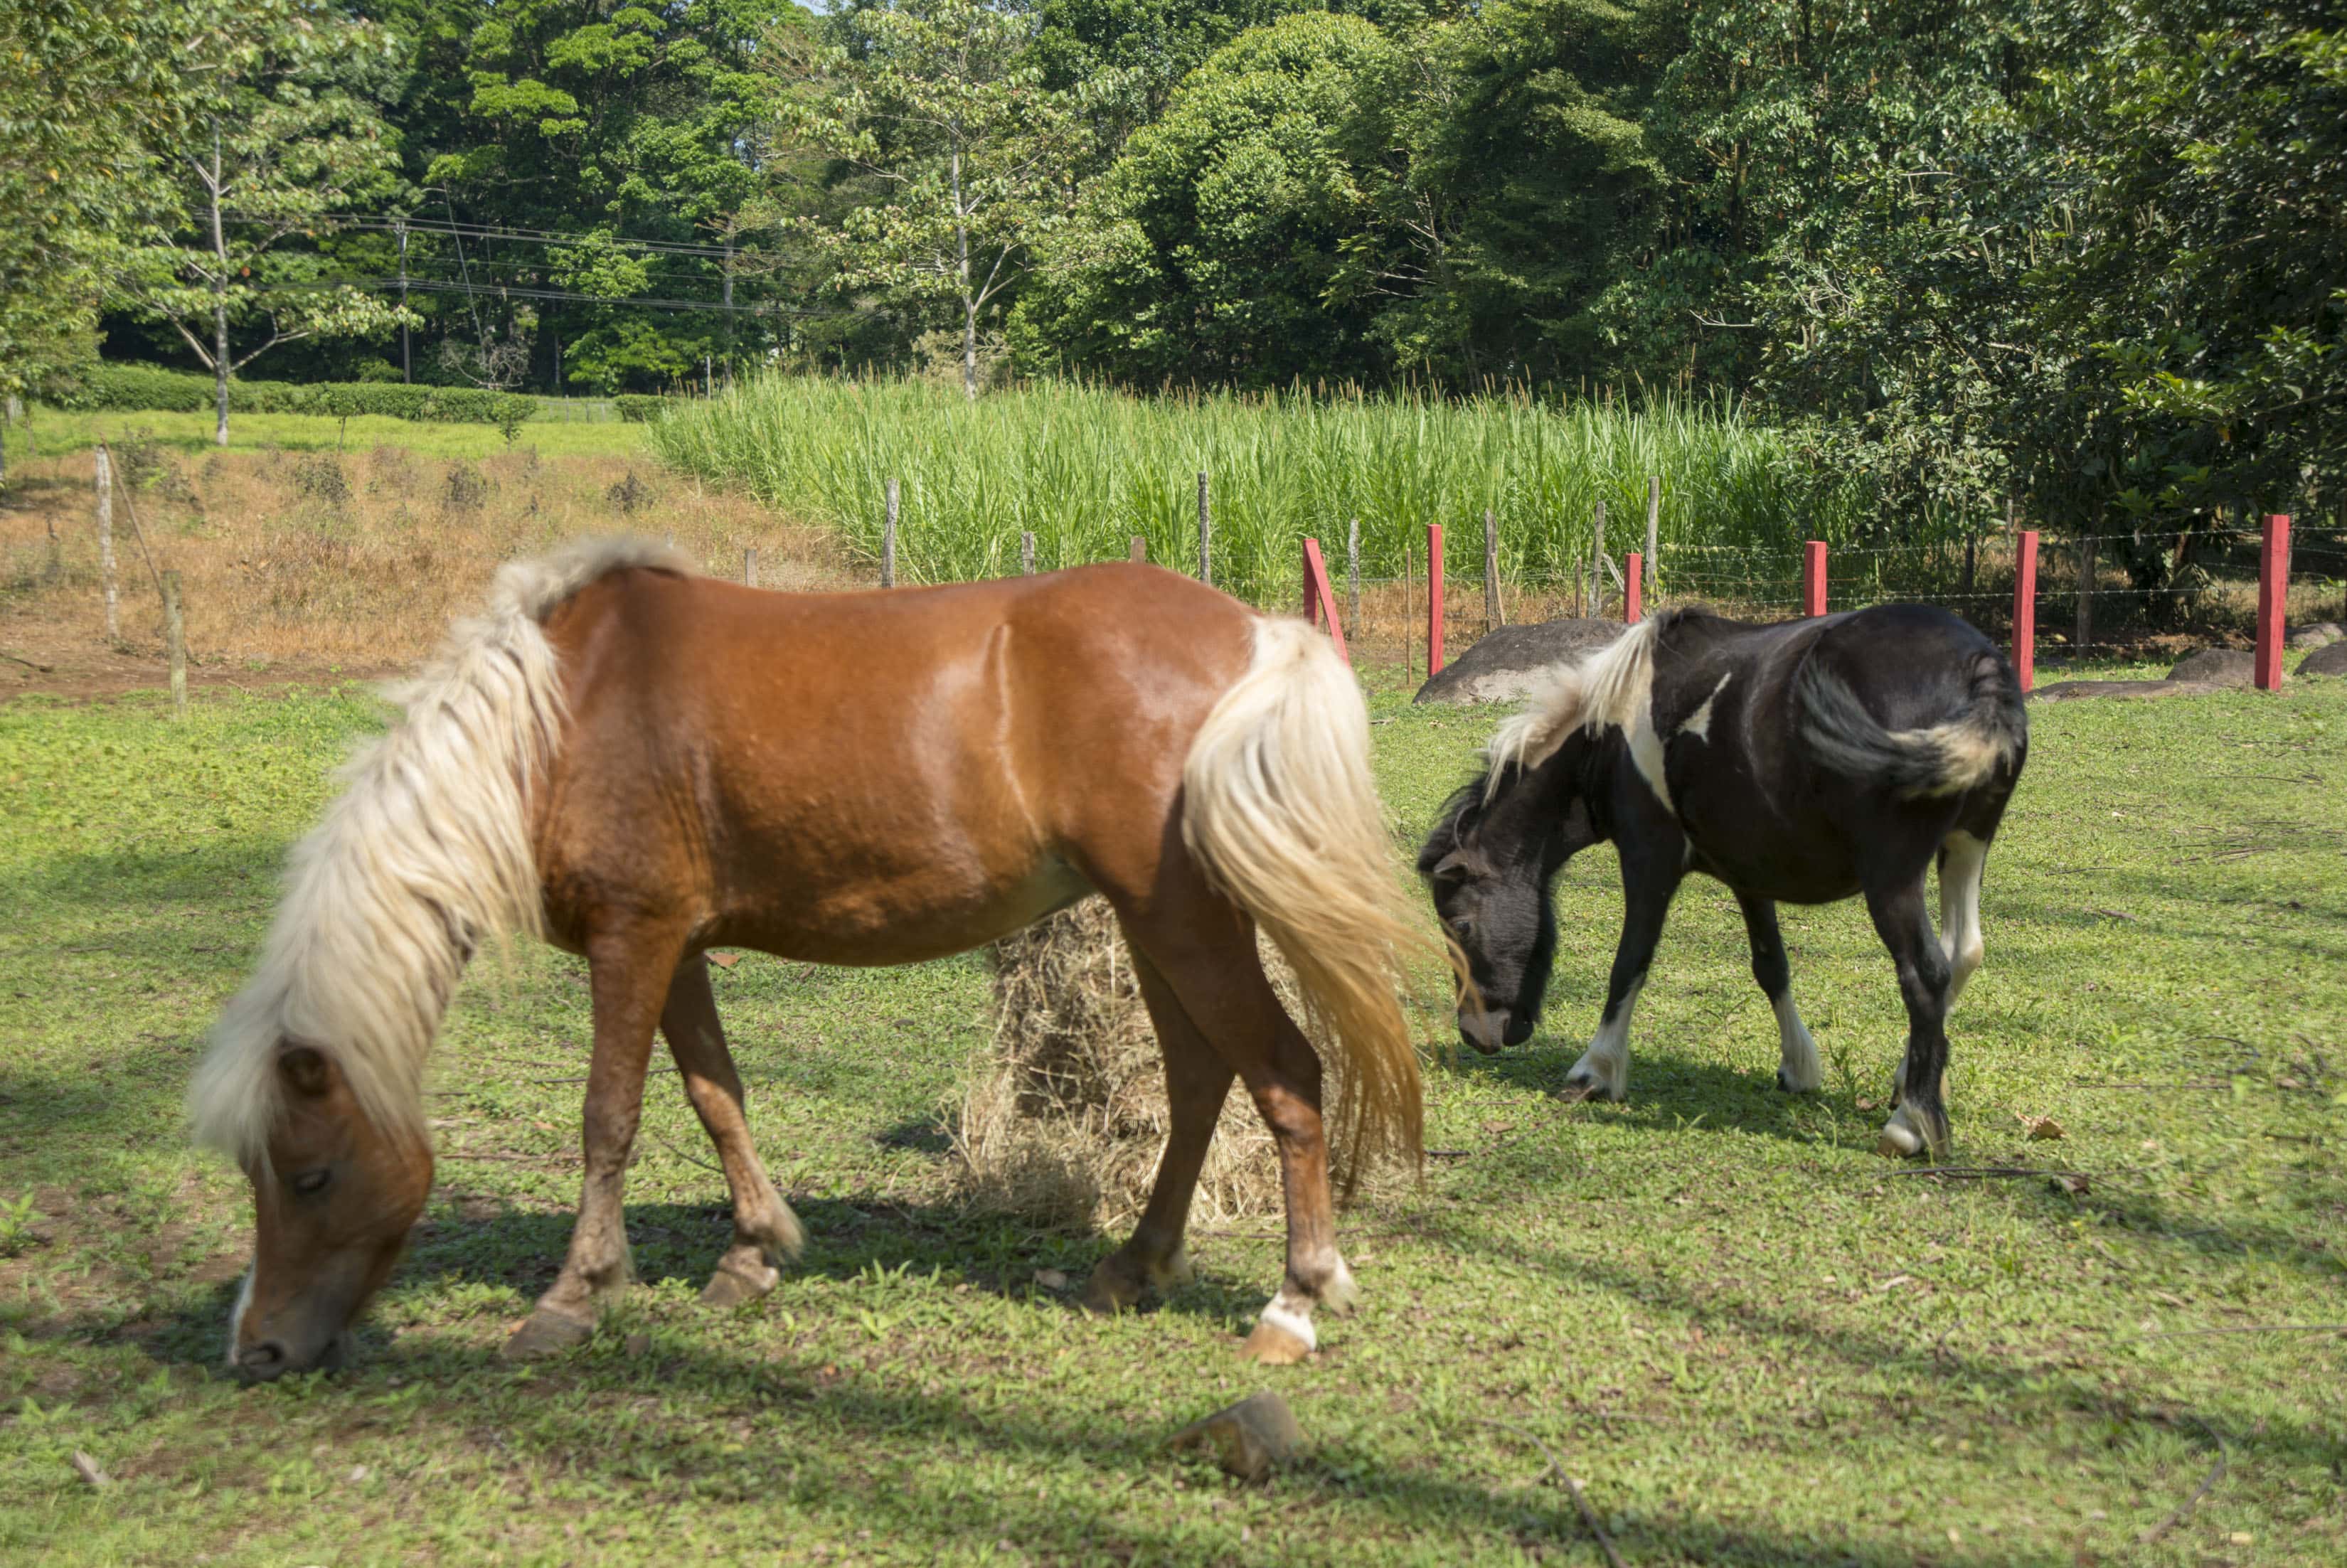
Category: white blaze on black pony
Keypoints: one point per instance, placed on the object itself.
(1802, 762)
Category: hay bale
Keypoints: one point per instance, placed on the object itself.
(1064, 1117)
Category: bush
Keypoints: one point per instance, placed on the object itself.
(638, 407)
(150, 388)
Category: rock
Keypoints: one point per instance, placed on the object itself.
(2218, 667)
(1249, 1439)
(1511, 661)
(2064, 690)
(2331, 660)
(2320, 634)
(90, 1471)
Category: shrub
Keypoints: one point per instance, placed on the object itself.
(465, 489)
(146, 387)
(638, 407)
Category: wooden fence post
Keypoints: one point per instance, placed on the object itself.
(175, 643)
(1596, 567)
(1634, 590)
(1320, 598)
(2273, 600)
(1491, 615)
(1353, 575)
(1813, 577)
(1433, 600)
(2025, 608)
(2084, 632)
(1026, 553)
(1140, 552)
(1408, 621)
(888, 541)
(106, 544)
(748, 567)
(1654, 516)
(1206, 533)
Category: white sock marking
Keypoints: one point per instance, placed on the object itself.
(1796, 1051)
(1607, 1059)
(1960, 922)
(1279, 1315)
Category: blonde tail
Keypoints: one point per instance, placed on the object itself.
(1281, 812)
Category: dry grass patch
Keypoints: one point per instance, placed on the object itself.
(310, 559)
(1064, 1117)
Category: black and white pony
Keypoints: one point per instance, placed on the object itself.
(1799, 763)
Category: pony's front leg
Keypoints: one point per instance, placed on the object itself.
(1798, 1069)
(1648, 882)
(629, 975)
(766, 1234)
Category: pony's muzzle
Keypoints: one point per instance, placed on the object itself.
(1488, 1029)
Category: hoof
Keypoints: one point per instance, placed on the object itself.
(1899, 1142)
(1789, 1087)
(1272, 1346)
(547, 1333)
(735, 1283)
(1111, 1290)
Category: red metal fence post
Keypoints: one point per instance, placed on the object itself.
(2273, 600)
(2025, 608)
(1320, 598)
(1813, 577)
(1633, 588)
(1433, 600)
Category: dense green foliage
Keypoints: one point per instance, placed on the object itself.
(2088, 256)
(1084, 469)
(132, 389)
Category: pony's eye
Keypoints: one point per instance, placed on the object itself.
(1462, 925)
(309, 1183)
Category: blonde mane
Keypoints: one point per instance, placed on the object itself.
(425, 855)
(1606, 689)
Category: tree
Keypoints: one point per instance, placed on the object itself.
(1209, 251)
(971, 160)
(90, 91)
(294, 139)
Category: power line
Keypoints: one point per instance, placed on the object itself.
(392, 222)
(513, 290)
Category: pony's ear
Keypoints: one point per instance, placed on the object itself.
(1449, 871)
(304, 1069)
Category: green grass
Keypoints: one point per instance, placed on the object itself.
(1753, 1341)
(1084, 469)
(54, 431)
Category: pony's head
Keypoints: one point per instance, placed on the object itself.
(334, 1194)
(1494, 855)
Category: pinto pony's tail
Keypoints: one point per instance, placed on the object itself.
(1280, 810)
(1959, 754)
(427, 855)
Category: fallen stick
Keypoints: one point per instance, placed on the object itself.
(1580, 1502)
(2215, 1471)
(1975, 1173)
(2253, 1329)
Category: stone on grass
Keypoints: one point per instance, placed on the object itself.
(2316, 634)
(2070, 690)
(2331, 660)
(1508, 662)
(2218, 667)
(1250, 1438)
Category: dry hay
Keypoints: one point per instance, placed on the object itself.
(1065, 1115)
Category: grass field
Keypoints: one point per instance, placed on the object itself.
(1752, 1341)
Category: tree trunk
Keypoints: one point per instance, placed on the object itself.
(961, 270)
(220, 302)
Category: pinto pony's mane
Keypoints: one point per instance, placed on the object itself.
(425, 855)
(1605, 691)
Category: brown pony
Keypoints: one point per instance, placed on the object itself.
(640, 764)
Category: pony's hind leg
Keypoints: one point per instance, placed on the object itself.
(1208, 959)
(1798, 1069)
(1962, 858)
(766, 1234)
(1919, 1122)
(1196, 1083)
(629, 973)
